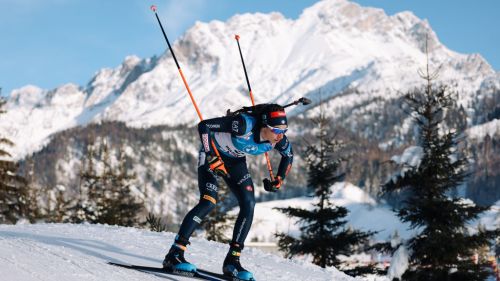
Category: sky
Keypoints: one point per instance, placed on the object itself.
(48, 43)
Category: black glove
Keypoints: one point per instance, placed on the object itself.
(272, 186)
(216, 165)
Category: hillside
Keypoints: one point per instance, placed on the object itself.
(65, 252)
(332, 53)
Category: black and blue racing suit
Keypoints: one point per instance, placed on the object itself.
(235, 137)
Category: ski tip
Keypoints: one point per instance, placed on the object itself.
(237, 37)
(153, 8)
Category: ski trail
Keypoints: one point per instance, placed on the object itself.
(67, 252)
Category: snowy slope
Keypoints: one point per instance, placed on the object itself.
(364, 214)
(491, 128)
(491, 218)
(334, 45)
(65, 252)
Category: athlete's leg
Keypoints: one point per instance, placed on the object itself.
(207, 184)
(240, 183)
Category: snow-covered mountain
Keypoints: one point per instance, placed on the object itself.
(334, 48)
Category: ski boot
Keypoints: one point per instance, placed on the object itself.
(175, 262)
(232, 266)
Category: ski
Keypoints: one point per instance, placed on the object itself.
(200, 274)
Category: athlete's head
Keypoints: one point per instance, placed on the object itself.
(273, 123)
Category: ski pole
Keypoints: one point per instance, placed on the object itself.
(303, 101)
(269, 167)
(237, 37)
(153, 8)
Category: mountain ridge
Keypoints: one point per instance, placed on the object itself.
(333, 46)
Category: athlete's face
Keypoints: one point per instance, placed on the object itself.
(273, 137)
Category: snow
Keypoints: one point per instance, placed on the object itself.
(491, 218)
(65, 252)
(399, 263)
(364, 214)
(410, 157)
(491, 128)
(334, 45)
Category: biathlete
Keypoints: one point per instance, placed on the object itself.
(244, 132)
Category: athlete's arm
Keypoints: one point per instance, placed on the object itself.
(284, 147)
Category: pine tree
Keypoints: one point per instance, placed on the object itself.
(14, 193)
(122, 207)
(105, 191)
(58, 205)
(91, 196)
(155, 223)
(324, 231)
(443, 248)
(32, 209)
